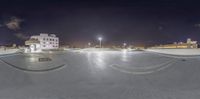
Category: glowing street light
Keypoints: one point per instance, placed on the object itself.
(89, 44)
(124, 44)
(100, 39)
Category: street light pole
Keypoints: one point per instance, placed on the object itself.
(124, 45)
(89, 44)
(100, 39)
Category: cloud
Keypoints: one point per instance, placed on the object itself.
(197, 25)
(160, 28)
(21, 36)
(14, 23)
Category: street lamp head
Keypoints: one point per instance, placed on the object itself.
(99, 38)
(89, 43)
(124, 44)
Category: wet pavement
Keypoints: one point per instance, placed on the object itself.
(99, 75)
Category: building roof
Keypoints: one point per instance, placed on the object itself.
(32, 41)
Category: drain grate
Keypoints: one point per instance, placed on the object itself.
(183, 59)
(44, 59)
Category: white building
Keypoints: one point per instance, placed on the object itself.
(188, 44)
(43, 41)
(189, 41)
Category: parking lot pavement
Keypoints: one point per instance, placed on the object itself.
(99, 75)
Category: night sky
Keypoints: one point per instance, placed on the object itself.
(146, 21)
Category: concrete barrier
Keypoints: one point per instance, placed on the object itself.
(8, 51)
(186, 52)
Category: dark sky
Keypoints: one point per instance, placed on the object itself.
(149, 21)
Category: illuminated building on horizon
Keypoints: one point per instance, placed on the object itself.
(43, 41)
(188, 44)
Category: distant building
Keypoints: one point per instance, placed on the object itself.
(188, 44)
(43, 41)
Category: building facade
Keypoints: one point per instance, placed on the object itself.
(43, 41)
(188, 44)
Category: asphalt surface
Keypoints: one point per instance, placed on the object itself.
(99, 75)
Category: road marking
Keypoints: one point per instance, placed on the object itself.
(147, 71)
(29, 70)
(8, 55)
